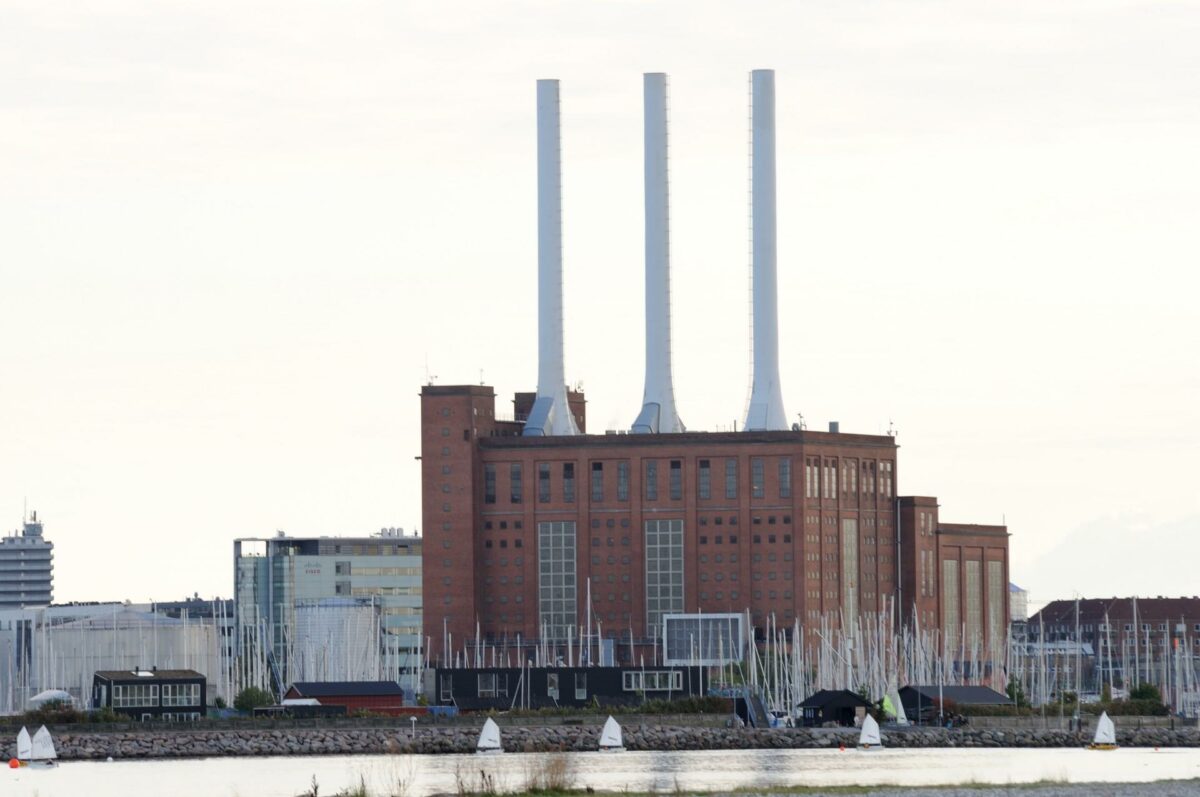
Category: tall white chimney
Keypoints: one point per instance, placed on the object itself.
(658, 403)
(551, 414)
(765, 410)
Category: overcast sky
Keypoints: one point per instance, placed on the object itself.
(236, 238)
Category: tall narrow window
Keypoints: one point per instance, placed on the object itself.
(664, 571)
(597, 481)
(785, 477)
(973, 600)
(950, 619)
(830, 479)
(704, 480)
(812, 478)
(850, 567)
(544, 482)
(731, 478)
(489, 483)
(995, 607)
(651, 480)
(622, 481)
(569, 482)
(675, 482)
(885, 479)
(757, 488)
(514, 483)
(557, 579)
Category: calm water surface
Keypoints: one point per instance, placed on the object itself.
(424, 775)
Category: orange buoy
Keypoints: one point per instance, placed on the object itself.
(14, 763)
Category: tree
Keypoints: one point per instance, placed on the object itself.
(1016, 692)
(251, 698)
(1146, 691)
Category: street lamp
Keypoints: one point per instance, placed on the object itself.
(413, 719)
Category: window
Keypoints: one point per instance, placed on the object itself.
(447, 689)
(134, 695)
(704, 480)
(552, 685)
(675, 480)
(581, 686)
(181, 694)
(812, 479)
(950, 604)
(489, 483)
(785, 477)
(652, 680)
(557, 579)
(544, 482)
(341, 568)
(490, 684)
(757, 488)
(514, 479)
(731, 478)
(850, 567)
(885, 479)
(622, 481)
(664, 571)
(651, 480)
(597, 481)
(973, 599)
(830, 478)
(995, 606)
(568, 476)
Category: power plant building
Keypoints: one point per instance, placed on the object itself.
(536, 529)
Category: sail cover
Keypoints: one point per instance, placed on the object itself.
(1106, 732)
(489, 737)
(24, 745)
(611, 735)
(870, 733)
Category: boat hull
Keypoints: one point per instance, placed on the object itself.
(490, 751)
(1102, 747)
(612, 749)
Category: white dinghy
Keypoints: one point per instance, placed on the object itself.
(24, 746)
(610, 737)
(1106, 734)
(489, 738)
(869, 738)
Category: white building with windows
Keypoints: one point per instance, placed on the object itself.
(327, 609)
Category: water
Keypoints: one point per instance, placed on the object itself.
(717, 769)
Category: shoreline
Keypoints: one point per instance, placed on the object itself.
(179, 742)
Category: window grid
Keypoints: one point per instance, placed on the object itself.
(557, 579)
(664, 571)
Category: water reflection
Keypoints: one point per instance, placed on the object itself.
(420, 776)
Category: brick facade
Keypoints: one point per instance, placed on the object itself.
(799, 524)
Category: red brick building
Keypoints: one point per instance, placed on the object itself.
(800, 524)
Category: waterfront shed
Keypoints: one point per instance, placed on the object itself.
(833, 705)
(154, 694)
(380, 697)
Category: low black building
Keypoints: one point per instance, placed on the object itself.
(171, 695)
(832, 705)
(921, 703)
(501, 688)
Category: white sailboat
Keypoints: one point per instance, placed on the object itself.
(489, 738)
(869, 738)
(43, 748)
(610, 737)
(24, 746)
(1106, 734)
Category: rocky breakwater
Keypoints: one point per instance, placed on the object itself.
(197, 742)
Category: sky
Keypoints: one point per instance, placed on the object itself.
(236, 239)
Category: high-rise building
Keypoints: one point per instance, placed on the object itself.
(327, 609)
(26, 567)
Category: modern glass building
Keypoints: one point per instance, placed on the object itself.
(327, 609)
(26, 568)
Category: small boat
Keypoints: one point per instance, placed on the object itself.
(1106, 734)
(610, 737)
(869, 738)
(38, 751)
(489, 738)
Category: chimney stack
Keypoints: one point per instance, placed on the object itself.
(658, 402)
(550, 414)
(765, 410)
